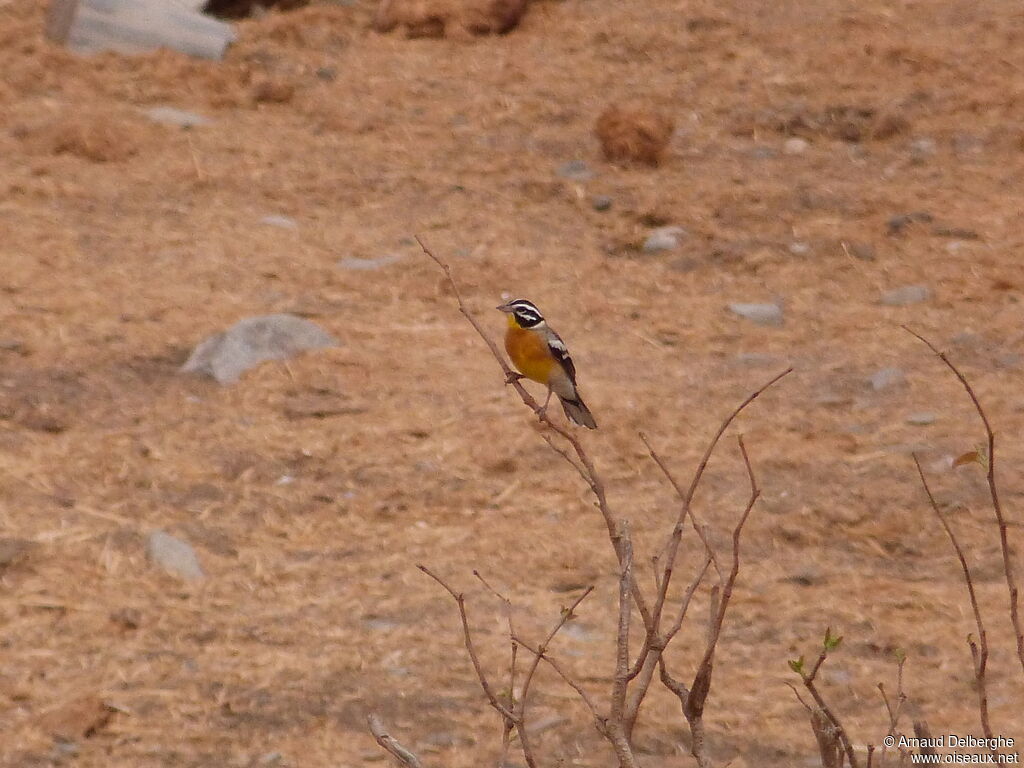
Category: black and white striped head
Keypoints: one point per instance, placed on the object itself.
(523, 313)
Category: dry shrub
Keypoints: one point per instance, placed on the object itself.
(437, 18)
(634, 134)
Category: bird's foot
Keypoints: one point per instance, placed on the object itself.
(513, 377)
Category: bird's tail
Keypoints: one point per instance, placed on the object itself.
(578, 413)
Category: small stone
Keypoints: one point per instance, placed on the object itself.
(601, 203)
(761, 314)
(922, 148)
(226, 356)
(327, 74)
(174, 556)
(368, 264)
(922, 419)
(276, 220)
(898, 223)
(799, 248)
(907, 294)
(861, 251)
(886, 378)
(795, 146)
(805, 576)
(663, 239)
(577, 170)
(174, 116)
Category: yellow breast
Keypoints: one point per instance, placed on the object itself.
(529, 353)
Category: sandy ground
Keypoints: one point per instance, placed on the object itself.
(311, 489)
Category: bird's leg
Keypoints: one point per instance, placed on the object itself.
(543, 412)
(513, 377)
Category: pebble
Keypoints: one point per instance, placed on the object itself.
(907, 294)
(795, 146)
(174, 116)
(601, 203)
(174, 556)
(663, 239)
(922, 419)
(762, 314)
(276, 220)
(799, 248)
(227, 355)
(922, 148)
(861, 251)
(577, 170)
(886, 378)
(366, 265)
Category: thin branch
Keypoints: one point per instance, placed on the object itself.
(654, 645)
(621, 680)
(567, 613)
(504, 711)
(997, 508)
(599, 719)
(979, 650)
(826, 711)
(509, 726)
(389, 743)
(589, 473)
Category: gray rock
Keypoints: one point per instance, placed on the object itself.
(663, 239)
(226, 356)
(174, 116)
(922, 419)
(369, 264)
(920, 149)
(277, 220)
(861, 251)
(886, 378)
(577, 170)
(795, 146)
(174, 556)
(601, 202)
(907, 294)
(762, 314)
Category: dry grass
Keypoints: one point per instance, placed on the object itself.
(309, 527)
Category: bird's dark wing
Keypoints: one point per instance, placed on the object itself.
(561, 354)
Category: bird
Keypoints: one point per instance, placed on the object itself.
(539, 354)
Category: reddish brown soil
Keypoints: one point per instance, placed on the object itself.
(126, 242)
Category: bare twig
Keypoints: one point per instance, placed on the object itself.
(979, 649)
(589, 471)
(599, 720)
(808, 679)
(460, 601)
(388, 742)
(654, 645)
(830, 745)
(997, 508)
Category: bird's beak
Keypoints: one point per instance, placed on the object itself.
(504, 308)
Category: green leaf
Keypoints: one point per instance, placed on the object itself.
(797, 665)
(831, 642)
